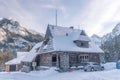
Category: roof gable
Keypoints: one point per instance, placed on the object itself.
(48, 32)
(33, 52)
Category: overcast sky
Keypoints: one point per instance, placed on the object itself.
(95, 16)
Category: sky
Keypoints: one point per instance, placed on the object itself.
(94, 16)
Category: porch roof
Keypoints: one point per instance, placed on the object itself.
(33, 53)
(18, 59)
(14, 61)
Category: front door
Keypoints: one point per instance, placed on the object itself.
(12, 67)
(37, 60)
(54, 60)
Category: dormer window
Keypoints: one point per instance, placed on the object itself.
(83, 44)
(82, 40)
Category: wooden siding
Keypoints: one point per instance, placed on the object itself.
(94, 57)
(18, 67)
(73, 59)
(46, 59)
(7, 68)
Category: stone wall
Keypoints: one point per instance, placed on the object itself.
(64, 61)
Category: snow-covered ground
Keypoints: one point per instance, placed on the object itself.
(110, 73)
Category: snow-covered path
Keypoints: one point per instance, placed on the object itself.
(110, 74)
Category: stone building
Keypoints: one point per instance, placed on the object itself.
(64, 47)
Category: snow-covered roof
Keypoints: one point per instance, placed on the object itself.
(66, 44)
(19, 54)
(14, 61)
(18, 59)
(58, 30)
(63, 38)
(33, 52)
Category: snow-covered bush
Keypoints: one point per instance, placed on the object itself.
(25, 69)
(110, 65)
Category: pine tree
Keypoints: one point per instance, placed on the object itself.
(111, 48)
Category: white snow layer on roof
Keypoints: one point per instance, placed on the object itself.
(14, 61)
(57, 31)
(20, 54)
(63, 42)
(18, 59)
(33, 52)
(83, 38)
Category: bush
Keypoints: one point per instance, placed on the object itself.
(25, 69)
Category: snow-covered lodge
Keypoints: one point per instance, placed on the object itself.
(63, 47)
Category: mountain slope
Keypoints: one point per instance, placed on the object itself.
(115, 32)
(14, 37)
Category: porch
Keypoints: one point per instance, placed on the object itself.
(66, 60)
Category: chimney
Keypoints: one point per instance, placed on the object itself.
(71, 27)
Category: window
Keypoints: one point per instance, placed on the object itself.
(84, 58)
(81, 44)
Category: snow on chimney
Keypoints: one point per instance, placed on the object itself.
(71, 27)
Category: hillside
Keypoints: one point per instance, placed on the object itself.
(15, 37)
